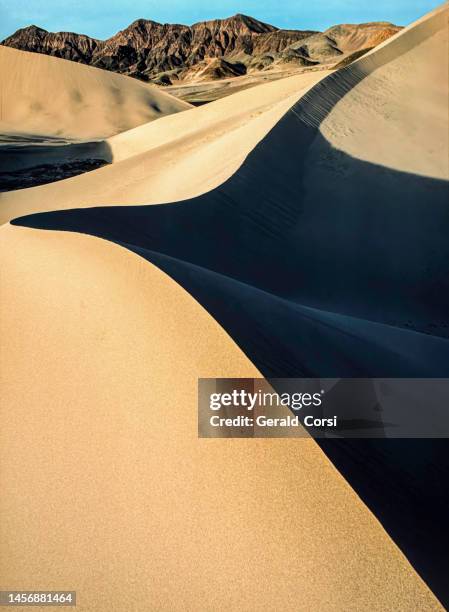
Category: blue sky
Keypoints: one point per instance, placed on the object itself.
(103, 18)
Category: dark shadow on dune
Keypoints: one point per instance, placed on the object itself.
(405, 484)
(320, 265)
(47, 173)
(28, 163)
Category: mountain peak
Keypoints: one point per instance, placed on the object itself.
(141, 22)
(21, 37)
(242, 17)
(34, 28)
(254, 25)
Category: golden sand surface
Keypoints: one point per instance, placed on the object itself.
(106, 487)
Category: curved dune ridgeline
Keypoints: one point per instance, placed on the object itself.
(322, 252)
(174, 158)
(352, 250)
(101, 382)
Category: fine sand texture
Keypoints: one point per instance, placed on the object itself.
(42, 95)
(325, 255)
(106, 487)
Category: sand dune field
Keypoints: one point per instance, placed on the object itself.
(297, 229)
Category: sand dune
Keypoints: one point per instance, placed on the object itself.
(99, 377)
(173, 158)
(321, 248)
(325, 254)
(397, 98)
(49, 96)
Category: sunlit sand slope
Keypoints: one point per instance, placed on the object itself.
(106, 488)
(391, 106)
(49, 96)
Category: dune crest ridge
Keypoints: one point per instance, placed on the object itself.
(112, 449)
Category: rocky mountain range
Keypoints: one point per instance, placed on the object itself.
(167, 53)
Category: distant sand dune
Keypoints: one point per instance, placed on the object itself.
(49, 96)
